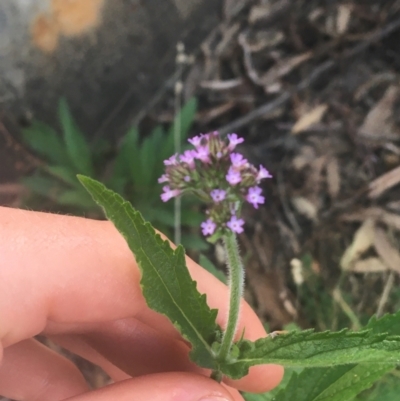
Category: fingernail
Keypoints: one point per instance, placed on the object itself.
(213, 398)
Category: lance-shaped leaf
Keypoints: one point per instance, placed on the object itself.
(166, 282)
(309, 349)
(336, 383)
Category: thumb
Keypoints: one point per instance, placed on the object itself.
(163, 387)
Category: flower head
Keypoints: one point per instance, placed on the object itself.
(233, 141)
(222, 178)
(238, 160)
(233, 176)
(172, 161)
(163, 178)
(236, 225)
(169, 193)
(203, 154)
(208, 227)
(188, 157)
(196, 140)
(218, 195)
(254, 196)
(263, 173)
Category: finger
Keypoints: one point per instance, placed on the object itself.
(60, 273)
(31, 371)
(78, 270)
(133, 347)
(138, 350)
(163, 387)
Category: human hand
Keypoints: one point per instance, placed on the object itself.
(76, 281)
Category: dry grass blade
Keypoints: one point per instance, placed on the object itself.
(305, 207)
(384, 182)
(283, 68)
(333, 177)
(314, 116)
(343, 18)
(389, 254)
(376, 213)
(369, 265)
(379, 124)
(363, 240)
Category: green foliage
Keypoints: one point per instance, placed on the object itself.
(335, 365)
(133, 171)
(387, 389)
(166, 282)
(308, 349)
(76, 145)
(336, 383)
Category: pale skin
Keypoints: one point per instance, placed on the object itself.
(75, 281)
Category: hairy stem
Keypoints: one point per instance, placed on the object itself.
(236, 282)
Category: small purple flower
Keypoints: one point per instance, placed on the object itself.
(233, 141)
(235, 224)
(172, 161)
(263, 173)
(208, 227)
(169, 193)
(188, 157)
(233, 176)
(196, 140)
(254, 196)
(203, 154)
(163, 178)
(186, 178)
(218, 195)
(238, 160)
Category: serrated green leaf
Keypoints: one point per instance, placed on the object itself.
(386, 389)
(76, 145)
(389, 324)
(166, 282)
(336, 383)
(45, 141)
(309, 349)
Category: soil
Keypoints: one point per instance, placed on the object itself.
(314, 87)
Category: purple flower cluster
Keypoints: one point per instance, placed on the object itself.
(219, 176)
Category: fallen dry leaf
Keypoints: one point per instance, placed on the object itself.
(369, 265)
(314, 116)
(343, 18)
(305, 157)
(362, 241)
(305, 207)
(376, 213)
(282, 68)
(333, 177)
(384, 182)
(389, 254)
(378, 124)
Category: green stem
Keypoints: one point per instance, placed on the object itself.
(236, 283)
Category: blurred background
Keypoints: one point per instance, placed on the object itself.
(103, 88)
